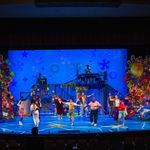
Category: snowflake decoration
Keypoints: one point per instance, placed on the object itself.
(104, 64)
(65, 60)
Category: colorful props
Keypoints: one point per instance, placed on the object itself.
(137, 69)
(138, 81)
(5, 94)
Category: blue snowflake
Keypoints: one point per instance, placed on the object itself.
(14, 83)
(104, 64)
(25, 79)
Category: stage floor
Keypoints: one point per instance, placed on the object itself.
(49, 124)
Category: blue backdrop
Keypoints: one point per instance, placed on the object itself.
(60, 66)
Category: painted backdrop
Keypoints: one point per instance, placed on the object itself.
(60, 66)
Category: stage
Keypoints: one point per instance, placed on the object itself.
(49, 124)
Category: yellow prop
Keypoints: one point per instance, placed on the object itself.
(137, 69)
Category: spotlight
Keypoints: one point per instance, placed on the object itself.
(74, 3)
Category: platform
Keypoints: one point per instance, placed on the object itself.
(49, 124)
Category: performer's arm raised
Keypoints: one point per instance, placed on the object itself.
(90, 95)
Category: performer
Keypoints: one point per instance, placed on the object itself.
(33, 93)
(59, 106)
(94, 105)
(45, 85)
(21, 111)
(111, 101)
(39, 79)
(53, 102)
(116, 108)
(88, 80)
(39, 103)
(78, 101)
(83, 104)
(71, 105)
(122, 112)
(88, 69)
(34, 108)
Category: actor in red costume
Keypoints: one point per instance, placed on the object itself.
(122, 112)
(59, 106)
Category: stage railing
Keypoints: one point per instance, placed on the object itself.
(68, 89)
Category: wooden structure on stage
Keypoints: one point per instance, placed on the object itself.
(90, 81)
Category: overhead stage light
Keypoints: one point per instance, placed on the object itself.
(76, 3)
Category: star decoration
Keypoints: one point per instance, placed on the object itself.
(25, 54)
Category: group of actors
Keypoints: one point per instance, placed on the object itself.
(117, 108)
(34, 110)
(81, 102)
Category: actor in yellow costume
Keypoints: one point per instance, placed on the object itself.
(71, 105)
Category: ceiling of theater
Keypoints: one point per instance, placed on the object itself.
(27, 8)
